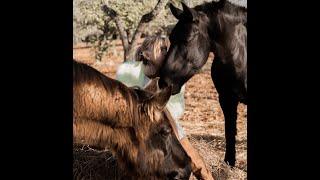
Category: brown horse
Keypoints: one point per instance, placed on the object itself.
(130, 122)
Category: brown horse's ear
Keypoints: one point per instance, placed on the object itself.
(142, 53)
(146, 55)
(160, 99)
(175, 11)
(189, 13)
(138, 54)
(152, 86)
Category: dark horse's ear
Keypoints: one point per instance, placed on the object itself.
(189, 13)
(175, 11)
(218, 5)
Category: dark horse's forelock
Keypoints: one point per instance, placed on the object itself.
(221, 28)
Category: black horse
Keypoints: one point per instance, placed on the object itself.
(221, 28)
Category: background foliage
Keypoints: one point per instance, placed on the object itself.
(91, 25)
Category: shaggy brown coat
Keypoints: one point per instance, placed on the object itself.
(129, 121)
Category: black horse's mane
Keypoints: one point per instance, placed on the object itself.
(223, 5)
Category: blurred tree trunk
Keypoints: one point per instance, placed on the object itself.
(130, 44)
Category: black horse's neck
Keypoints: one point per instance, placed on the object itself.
(221, 16)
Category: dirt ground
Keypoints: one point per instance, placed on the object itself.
(203, 119)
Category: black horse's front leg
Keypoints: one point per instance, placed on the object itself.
(229, 107)
(223, 78)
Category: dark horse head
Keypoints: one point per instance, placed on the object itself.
(199, 31)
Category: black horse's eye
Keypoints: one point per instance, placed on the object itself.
(193, 35)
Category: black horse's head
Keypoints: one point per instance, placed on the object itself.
(190, 46)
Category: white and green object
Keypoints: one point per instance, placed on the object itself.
(131, 74)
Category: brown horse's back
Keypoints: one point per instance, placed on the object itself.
(100, 98)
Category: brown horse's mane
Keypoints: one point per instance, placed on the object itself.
(127, 99)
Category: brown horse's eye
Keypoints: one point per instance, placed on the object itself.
(165, 131)
(164, 48)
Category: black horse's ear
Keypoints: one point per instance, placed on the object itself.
(189, 13)
(218, 5)
(175, 11)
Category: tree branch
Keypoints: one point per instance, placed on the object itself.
(145, 19)
(105, 28)
(129, 46)
(119, 23)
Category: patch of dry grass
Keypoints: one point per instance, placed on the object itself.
(212, 154)
(92, 164)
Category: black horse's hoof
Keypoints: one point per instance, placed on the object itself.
(230, 162)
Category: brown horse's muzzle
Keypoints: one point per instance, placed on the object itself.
(180, 174)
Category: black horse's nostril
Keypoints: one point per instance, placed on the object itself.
(175, 89)
(162, 84)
